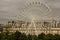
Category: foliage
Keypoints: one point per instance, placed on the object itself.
(22, 36)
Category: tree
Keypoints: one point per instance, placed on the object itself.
(17, 35)
(29, 37)
(49, 37)
(57, 37)
(13, 23)
(0, 36)
(5, 35)
(41, 36)
(23, 36)
(34, 37)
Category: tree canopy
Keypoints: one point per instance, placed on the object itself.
(22, 36)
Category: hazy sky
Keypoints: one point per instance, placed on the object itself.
(11, 8)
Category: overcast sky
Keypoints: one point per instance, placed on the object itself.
(11, 8)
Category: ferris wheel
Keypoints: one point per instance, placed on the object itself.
(35, 10)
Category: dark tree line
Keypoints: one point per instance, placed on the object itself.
(22, 36)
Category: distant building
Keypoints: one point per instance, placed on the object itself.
(34, 28)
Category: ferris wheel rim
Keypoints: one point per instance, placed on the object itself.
(37, 3)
